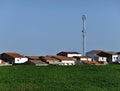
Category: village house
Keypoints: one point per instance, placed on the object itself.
(112, 57)
(97, 58)
(51, 60)
(35, 60)
(69, 54)
(13, 58)
(58, 60)
(100, 59)
(79, 59)
(66, 60)
(118, 57)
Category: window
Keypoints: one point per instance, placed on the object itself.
(114, 58)
(67, 63)
(117, 58)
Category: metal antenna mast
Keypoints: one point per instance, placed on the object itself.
(84, 37)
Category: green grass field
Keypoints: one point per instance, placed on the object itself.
(60, 78)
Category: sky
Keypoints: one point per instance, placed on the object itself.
(46, 27)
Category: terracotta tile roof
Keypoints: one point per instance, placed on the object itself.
(49, 58)
(33, 57)
(54, 58)
(99, 50)
(13, 54)
(63, 58)
(91, 63)
(37, 62)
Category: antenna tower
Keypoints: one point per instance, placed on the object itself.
(83, 35)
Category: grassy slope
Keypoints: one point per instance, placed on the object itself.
(58, 78)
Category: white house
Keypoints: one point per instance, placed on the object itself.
(51, 60)
(13, 58)
(35, 60)
(19, 60)
(100, 59)
(69, 54)
(79, 59)
(111, 56)
(66, 60)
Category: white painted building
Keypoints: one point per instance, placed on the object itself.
(99, 58)
(79, 59)
(13, 58)
(51, 60)
(111, 56)
(66, 60)
(20, 60)
(69, 54)
(0, 61)
(83, 58)
(115, 58)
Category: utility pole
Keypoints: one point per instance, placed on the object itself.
(83, 35)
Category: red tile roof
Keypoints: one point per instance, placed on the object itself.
(33, 57)
(91, 63)
(49, 58)
(13, 54)
(37, 62)
(99, 50)
(63, 58)
(54, 58)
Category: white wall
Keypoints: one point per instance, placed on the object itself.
(71, 55)
(115, 58)
(102, 59)
(0, 61)
(86, 59)
(20, 60)
(89, 59)
(54, 62)
(83, 59)
(67, 62)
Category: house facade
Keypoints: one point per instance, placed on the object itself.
(69, 54)
(100, 59)
(35, 60)
(51, 60)
(13, 58)
(66, 60)
(79, 59)
(111, 56)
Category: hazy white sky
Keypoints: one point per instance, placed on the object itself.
(46, 27)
